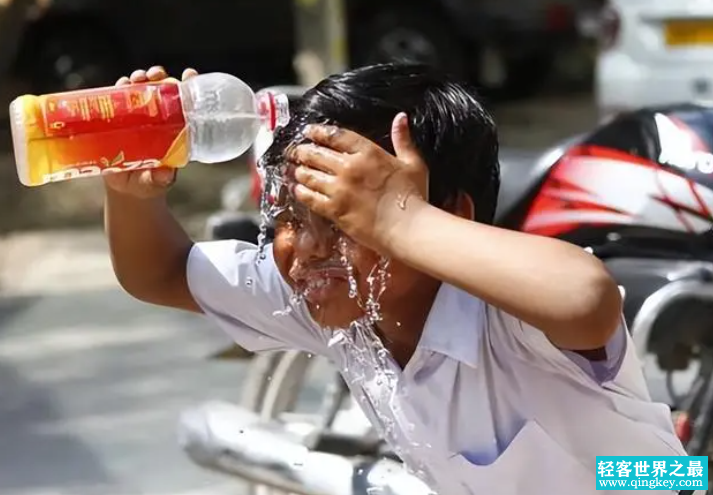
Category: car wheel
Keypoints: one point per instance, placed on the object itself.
(68, 59)
(411, 36)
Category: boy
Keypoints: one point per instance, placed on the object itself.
(509, 366)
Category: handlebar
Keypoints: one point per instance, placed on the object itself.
(232, 440)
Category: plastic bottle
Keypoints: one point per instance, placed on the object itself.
(210, 118)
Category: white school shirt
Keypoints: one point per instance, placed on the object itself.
(487, 405)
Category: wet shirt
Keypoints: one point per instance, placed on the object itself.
(486, 405)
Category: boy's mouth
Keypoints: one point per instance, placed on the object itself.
(318, 282)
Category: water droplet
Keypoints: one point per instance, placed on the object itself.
(248, 282)
(338, 337)
(398, 324)
(282, 312)
(401, 201)
(343, 248)
(295, 300)
(376, 281)
(269, 176)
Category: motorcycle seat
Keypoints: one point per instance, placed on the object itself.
(519, 173)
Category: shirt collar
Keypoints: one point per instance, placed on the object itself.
(455, 325)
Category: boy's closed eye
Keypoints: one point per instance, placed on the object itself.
(287, 210)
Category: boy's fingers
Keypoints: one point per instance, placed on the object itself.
(156, 73)
(123, 81)
(316, 202)
(404, 147)
(163, 177)
(188, 73)
(336, 138)
(317, 157)
(138, 76)
(152, 179)
(315, 180)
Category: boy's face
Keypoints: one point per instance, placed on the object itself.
(310, 254)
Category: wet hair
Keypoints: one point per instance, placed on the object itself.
(454, 134)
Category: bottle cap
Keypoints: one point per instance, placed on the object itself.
(274, 108)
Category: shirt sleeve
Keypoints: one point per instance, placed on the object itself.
(249, 299)
(524, 338)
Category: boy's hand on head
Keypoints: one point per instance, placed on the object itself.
(149, 183)
(363, 189)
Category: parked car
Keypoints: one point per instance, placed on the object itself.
(654, 52)
(81, 43)
(504, 44)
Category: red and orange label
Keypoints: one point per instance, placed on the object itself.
(100, 131)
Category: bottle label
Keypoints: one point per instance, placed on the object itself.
(106, 109)
(106, 130)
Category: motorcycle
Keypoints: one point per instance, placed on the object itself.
(637, 192)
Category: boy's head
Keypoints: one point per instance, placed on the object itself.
(457, 140)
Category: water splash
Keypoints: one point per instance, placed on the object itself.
(295, 300)
(267, 200)
(273, 198)
(343, 248)
(368, 366)
(376, 280)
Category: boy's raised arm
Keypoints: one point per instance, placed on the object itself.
(556, 287)
(149, 248)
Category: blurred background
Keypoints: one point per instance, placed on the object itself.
(529, 57)
(91, 382)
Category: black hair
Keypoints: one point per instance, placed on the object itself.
(455, 135)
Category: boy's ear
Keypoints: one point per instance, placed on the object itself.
(463, 206)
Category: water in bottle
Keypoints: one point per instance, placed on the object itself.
(209, 118)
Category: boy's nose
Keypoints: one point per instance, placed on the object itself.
(315, 239)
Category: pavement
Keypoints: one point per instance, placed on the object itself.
(91, 381)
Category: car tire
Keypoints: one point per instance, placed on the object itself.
(408, 34)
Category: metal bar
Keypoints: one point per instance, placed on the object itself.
(321, 32)
(232, 440)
